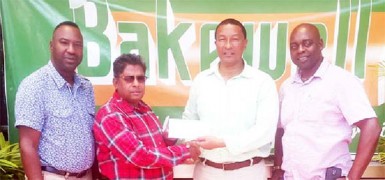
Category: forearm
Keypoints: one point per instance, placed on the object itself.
(260, 135)
(159, 157)
(366, 147)
(132, 145)
(278, 152)
(31, 163)
(277, 172)
(263, 130)
(362, 160)
(132, 149)
(210, 142)
(29, 144)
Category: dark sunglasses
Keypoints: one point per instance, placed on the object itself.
(131, 79)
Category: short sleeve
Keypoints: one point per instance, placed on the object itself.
(353, 101)
(29, 105)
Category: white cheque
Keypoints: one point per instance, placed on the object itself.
(186, 129)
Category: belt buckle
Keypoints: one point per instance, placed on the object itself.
(224, 166)
(251, 161)
(204, 161)
(66, 175)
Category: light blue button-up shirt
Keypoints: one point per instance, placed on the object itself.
(63, 114)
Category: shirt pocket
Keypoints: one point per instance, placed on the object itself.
(61, 113)
(57, 121)
(320, 107)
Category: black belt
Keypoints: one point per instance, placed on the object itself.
(231, 166)
(63, 173)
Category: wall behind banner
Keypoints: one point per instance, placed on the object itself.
(176, 37)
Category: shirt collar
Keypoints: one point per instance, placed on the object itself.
(59, 80)
(320, 73)
(247, 71)
(141, 107)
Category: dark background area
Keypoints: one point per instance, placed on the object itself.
(3, 106)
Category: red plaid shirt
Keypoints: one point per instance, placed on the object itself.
(130, 144)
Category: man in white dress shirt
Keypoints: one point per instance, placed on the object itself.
(240, 105)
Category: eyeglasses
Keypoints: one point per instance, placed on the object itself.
(131, 79)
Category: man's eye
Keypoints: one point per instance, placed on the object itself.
(78, 45)
(307, 43)
(293, 46)
(64, 42)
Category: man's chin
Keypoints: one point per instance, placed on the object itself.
(137, 97)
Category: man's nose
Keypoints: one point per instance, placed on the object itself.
(228, 43)
(71, 48)
(135, 82)
(301, 48)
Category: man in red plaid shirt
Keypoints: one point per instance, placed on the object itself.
(129, 137)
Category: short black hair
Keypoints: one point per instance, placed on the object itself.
(123, 60)
(233, 22)
(65, 23)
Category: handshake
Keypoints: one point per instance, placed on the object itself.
(195, 152)
(204, 142)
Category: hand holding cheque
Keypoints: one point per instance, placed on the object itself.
(195, 132)
(173, 130)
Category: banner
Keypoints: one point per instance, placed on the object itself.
(176, 38)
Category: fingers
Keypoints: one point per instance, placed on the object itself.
(189, 161)
(205, 142)
(199, 139)
(210, 142)
(194, 149)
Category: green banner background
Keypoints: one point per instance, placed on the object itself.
(28, 24)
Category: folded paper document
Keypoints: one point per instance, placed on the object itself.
(185, 129)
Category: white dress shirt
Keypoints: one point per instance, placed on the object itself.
(242, 110)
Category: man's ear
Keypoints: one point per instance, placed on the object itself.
(247, 41)
(50, 45)
(321, 42)
(115, 82)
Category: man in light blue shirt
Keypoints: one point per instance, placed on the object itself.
(54, 111)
